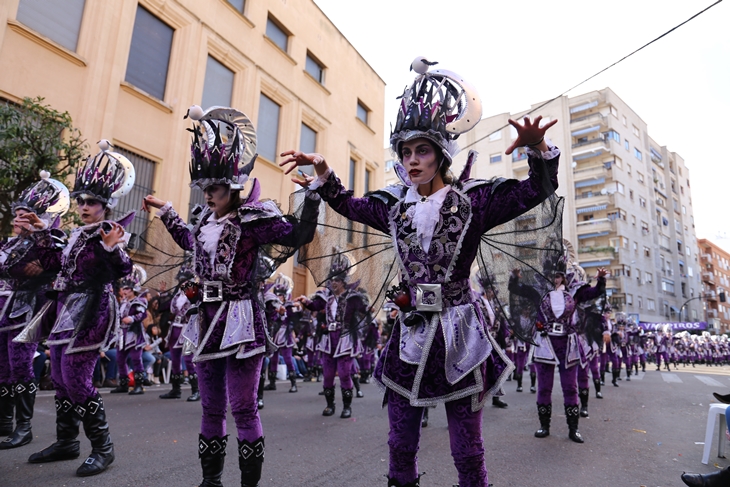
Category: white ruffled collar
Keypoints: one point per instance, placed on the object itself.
(425, 213)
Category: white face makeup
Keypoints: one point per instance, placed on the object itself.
(217, 197)
(18, 229)
(127, 293)
(90, 210)
(420, 160)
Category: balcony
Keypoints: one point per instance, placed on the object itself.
(708, 277)
(706, 258)
(593, 117)
(590, 173)
(596, 226)
(711, 313)
(596, 253)
(593, 199)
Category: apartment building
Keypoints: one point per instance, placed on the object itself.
(715, 268)
(127, 71)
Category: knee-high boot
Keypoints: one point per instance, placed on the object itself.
(123, 386)
(518, 378)
(533, 379)
(346, 403)
(194, 389)
(329, 395)
(24, 402)
(174, 393)
(544, 411)
(293, 380)
(138, 382)
(597, 384)
(7, 409)
(572, 416)
(356, 384)
(96, 428)
(272, 382)
(250, 461)
(583, 396)
(212, 454)
(614, 374)
(66, 446)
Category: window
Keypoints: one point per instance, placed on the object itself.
(619, 187)
(623, 120)
(519, 154)
(647, 252)
(640, 177)
(268, 127)
(648, 278)
(614, 112)
(238, 4)
(59, 21)
(635, 130)
(612, 135)
(362, 112)
(667, 286)
(684, 210)
(494, 158)
(144, 177)
(650, 305)
(628, 169)
(277, 35)
(631, 194)
(495, 135)
(637, 154)
(218, 85)
(625, 242)
(630, 299)
(314, 68)
(149, 54)
(642, 202)
(639, 302)
(644, 228)
(636, 247)
(633, 220)
(307, 144)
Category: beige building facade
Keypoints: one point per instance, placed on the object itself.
(127, 71)
(628, 204)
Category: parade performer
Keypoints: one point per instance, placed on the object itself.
(132, 337)
(345, 309)
(179, 305)
(371, 337)
(662, 341)
(556, 343)
(27, 267)
(435, 225)
(231, 236)
(592, 326)
(282, 315)
(496, 325)
(84, 314)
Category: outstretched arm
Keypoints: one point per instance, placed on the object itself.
(172, 221)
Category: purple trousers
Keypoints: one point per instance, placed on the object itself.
(342, 366)
(16, 359)
(568, 376)
(521, 360)
(72, 374)
(366, 361)
(583, 381)
(465, 436)
(659, 357)
(136, 355)
(233, 380)
(285, 352)
(613, 358)
(176, 355)
(626, 358)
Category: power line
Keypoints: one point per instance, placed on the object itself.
(599, 72)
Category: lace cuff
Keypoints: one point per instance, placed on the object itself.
(119, 245)
(551, 153)
(320, 180)
(164, 209)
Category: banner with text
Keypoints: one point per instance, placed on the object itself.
(676, 326)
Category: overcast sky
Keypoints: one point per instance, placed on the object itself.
(519, 52)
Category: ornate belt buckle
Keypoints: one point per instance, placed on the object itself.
(212, 291)
(332, 327)
(558, 328)
(428, 297)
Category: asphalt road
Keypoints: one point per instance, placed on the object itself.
(642, 433)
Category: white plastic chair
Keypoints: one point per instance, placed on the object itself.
(166, 372)
(717, 410)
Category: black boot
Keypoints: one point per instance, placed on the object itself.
(96, 428)
(260, 392)
(636, 368)
(424, 419)
(346, 403)
(597, 384)
(643, 366)
(175, 393)
(123, 386)
(497, 402)
(329, 395)
(519, 382)
(544, 411)
(583, 396)
(365, 376)
(356, 384)
(293, 380)
(212, 454)
(7, 409)
(615, 376)
(318, 373)
(66, 446)
(533, 378)
(24, 401)
(195, 391)
(138, 382)
(250, 460)
(714, 479)
(272, 382)
(628, 374)
(572, 416)
(603, 377)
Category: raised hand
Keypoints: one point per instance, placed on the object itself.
(530, 133)
(601, 272)
(298, 158)
(150, 201)
(114, 236)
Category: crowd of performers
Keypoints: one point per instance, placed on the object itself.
(231, 321)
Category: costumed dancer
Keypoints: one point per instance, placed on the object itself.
(624, 343)
(613, 349)
(179, 305)
(556, 343)
(84, 316)
(436, 224)
(282, 314)
(662, 339)
(371, 337)
(230, 237)
(591, 325)
(132, 337)
(344, 308)
(28, 264)
(497, 325)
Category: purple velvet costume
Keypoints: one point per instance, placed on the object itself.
(178, 306)
(132, 337)
(449, 357)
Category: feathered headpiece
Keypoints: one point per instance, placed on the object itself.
(134, 279)
(46, 198)
(105, 177)
(283, 286)
(223, 150)
(439, 106)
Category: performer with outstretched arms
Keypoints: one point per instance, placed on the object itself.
(27, 266)
(85, 314)
(435, 224)
(228, 241)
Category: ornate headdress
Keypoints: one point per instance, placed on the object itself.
(341, 266)
(105, 177)
(223, 150)
(134, 279)
(283, 286)
(46, 198)
(439, 106)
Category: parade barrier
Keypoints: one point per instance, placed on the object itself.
(717, 410)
